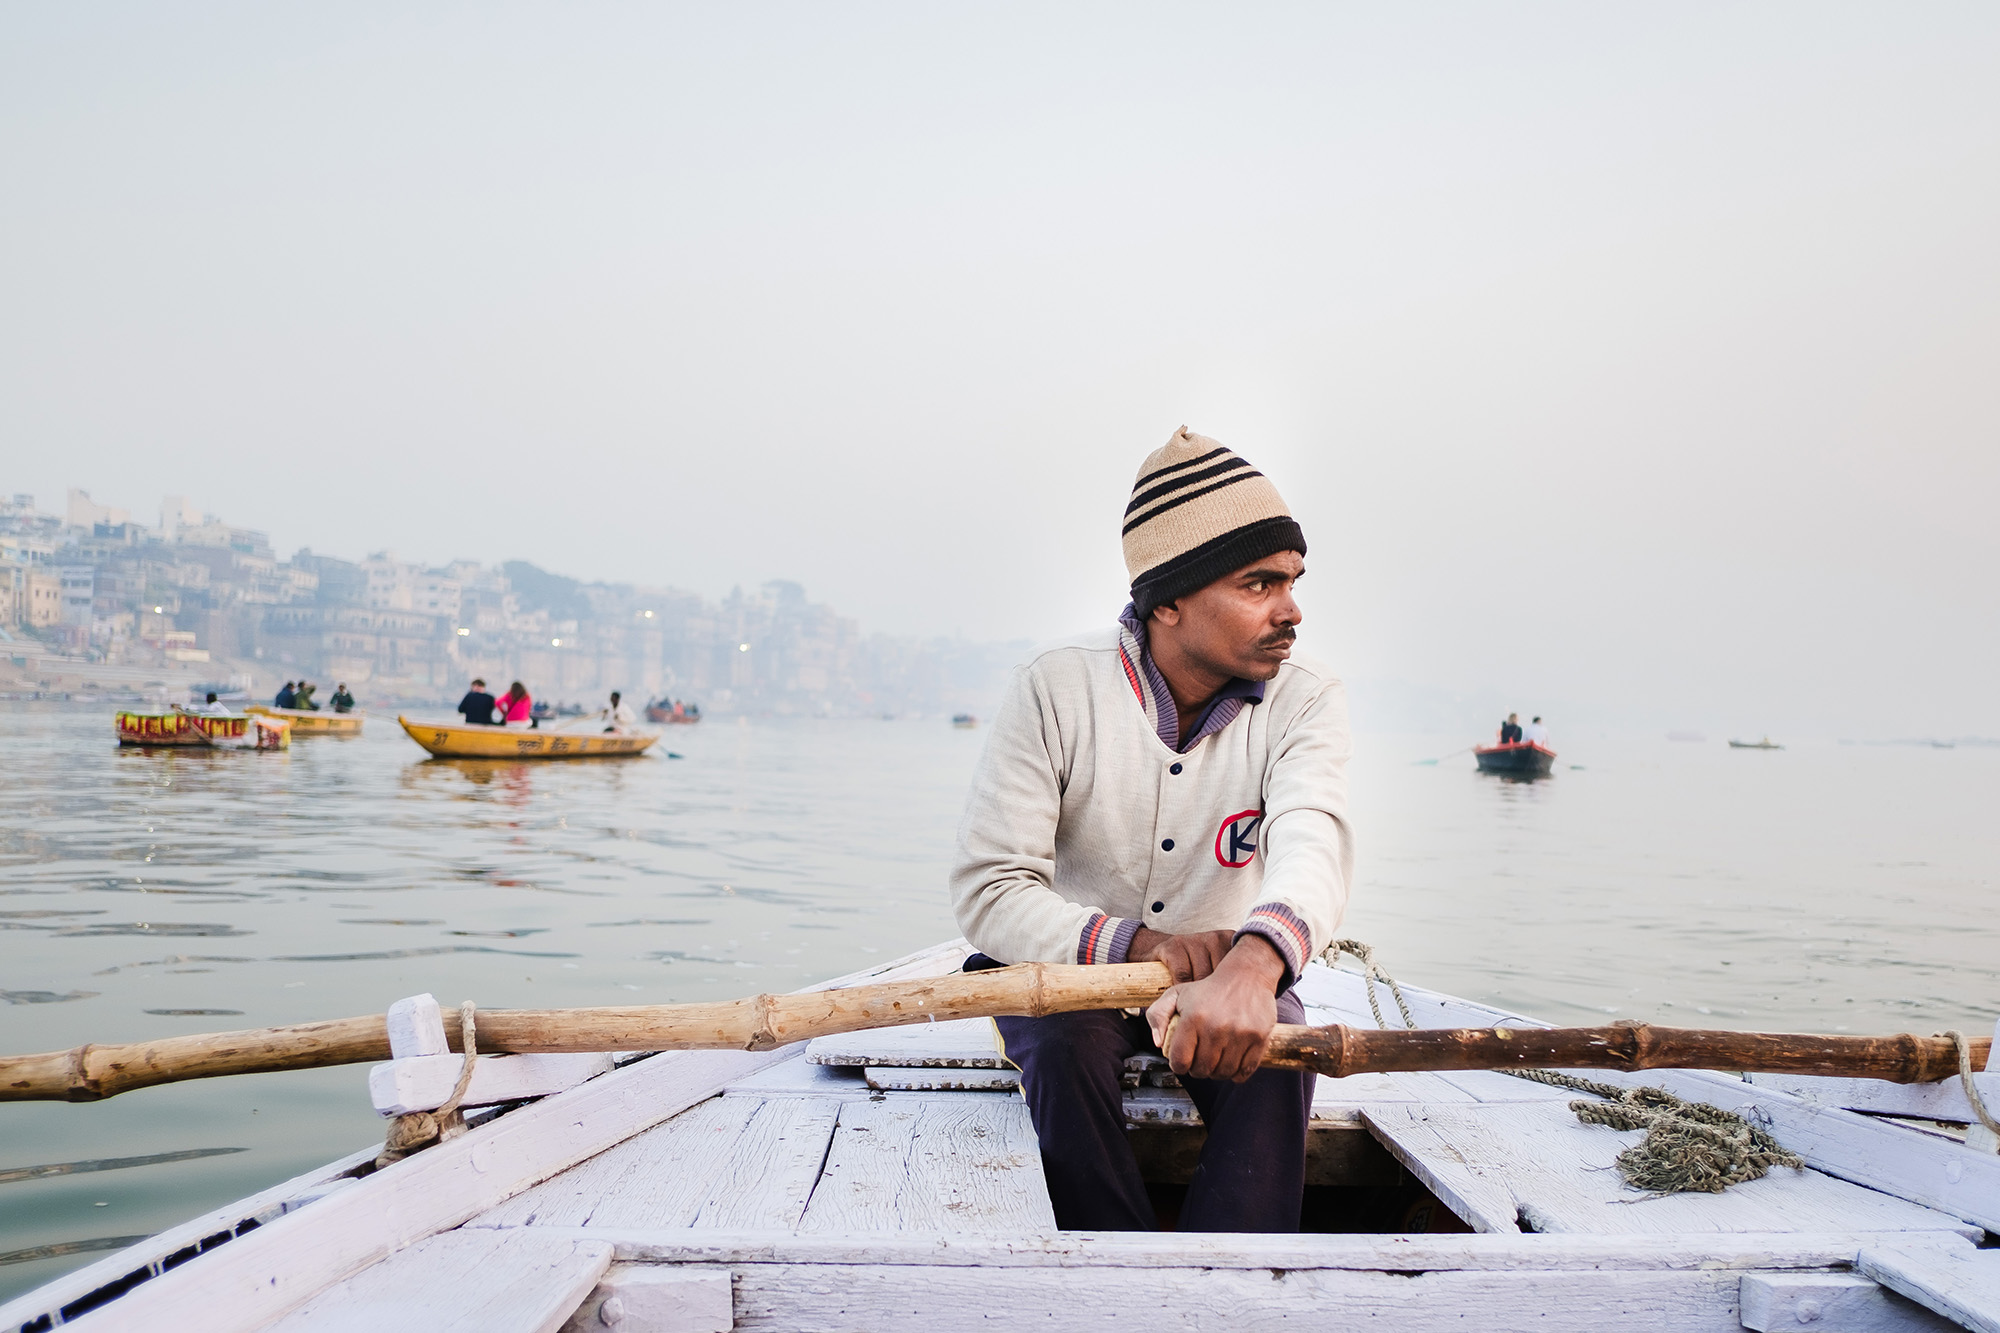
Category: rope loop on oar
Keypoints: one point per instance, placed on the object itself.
(1959, 1040)
(420, 1129)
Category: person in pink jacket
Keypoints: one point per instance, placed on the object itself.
(515, 706)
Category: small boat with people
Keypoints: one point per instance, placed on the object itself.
(459, 740)
(1521, 759)
(312, 721)
(1765, 744)
(964, 721)
(672, 712)
(888, 1178)
(204, 731)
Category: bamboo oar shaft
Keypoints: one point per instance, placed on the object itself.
(764, 1022)
(1338, 1051)
(760, 1023)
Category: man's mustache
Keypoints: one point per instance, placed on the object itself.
(1283, 638)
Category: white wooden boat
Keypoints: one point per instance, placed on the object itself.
(890, 1181)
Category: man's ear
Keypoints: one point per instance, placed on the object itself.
(1168, 614)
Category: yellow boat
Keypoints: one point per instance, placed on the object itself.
(455, 740)
(311, 722)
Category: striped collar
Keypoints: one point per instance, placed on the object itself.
(1150, 687)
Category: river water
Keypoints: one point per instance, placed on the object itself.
(1824, 887)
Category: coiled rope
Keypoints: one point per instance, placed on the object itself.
(1690, 1147)
(418, 1130)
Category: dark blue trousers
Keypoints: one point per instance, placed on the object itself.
(1253, 1165)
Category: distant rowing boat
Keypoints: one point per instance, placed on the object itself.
(1520, 759)
(311, 721)
(453, 740)
(203, 731)
(1766, 744)
(964, 721)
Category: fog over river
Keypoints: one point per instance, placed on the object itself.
(1823, 887)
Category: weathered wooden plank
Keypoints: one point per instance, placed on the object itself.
(871, 1299)
(798, 1077)
(657, 1178)
(773, 1168)
(1835, 1302)
(1920, 1168)
(461, 1282)
(426, 1082)
(942, 1079)
(260, 1208)
(258, 1277)
(960, 1043)
(946, 1163)
(665, 1300)
(1962, 1285)
(1094, 1250)
(1538, 1166)
(1922, 1101)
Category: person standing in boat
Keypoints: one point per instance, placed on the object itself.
(1536, 734)
(1171, 788)
(286, 696)
(1510, 730)
(342, 701)
(477, 705)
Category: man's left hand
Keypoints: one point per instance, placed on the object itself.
(1220, 1024)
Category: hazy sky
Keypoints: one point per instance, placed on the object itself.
(1625, 363)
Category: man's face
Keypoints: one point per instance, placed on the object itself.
(1244, 623)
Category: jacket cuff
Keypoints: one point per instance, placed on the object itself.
(1105, 939)
(1284, 930)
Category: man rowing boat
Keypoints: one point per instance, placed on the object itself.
(1173, 789)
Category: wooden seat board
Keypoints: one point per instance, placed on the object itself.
(1962, 1285)
(960, 1043)
(735, 1162)
(964, 1162)
(461, 1282)
(1536, 1163)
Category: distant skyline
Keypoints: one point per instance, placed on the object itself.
(1632, 364)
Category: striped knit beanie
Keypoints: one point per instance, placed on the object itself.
(1198, 512)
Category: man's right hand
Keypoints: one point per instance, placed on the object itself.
(1188, 957)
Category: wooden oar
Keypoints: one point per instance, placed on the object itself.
(763, 1022)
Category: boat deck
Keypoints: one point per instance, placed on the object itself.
(891, 1180)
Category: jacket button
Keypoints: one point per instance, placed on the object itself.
(1159, 907)
(1175, 770)
(1166, 844)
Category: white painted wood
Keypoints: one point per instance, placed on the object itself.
(1536, 1166)
(425, 1082)
(1830, 1303)
(1094, 1250)
(1978, 1137)
(959, 1043)
(667, 1300)
(262, 1207)
(416, 1028)
(965, 1163)
(1963, 1284)
(799, 1077)
(1895, 1160)
(935, 1079)
(461, 1282)
(731, 1162)
(1892, 1159)
(255, 1278)
(1159, 1106)
(1922, 1101)
(872, 1299)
